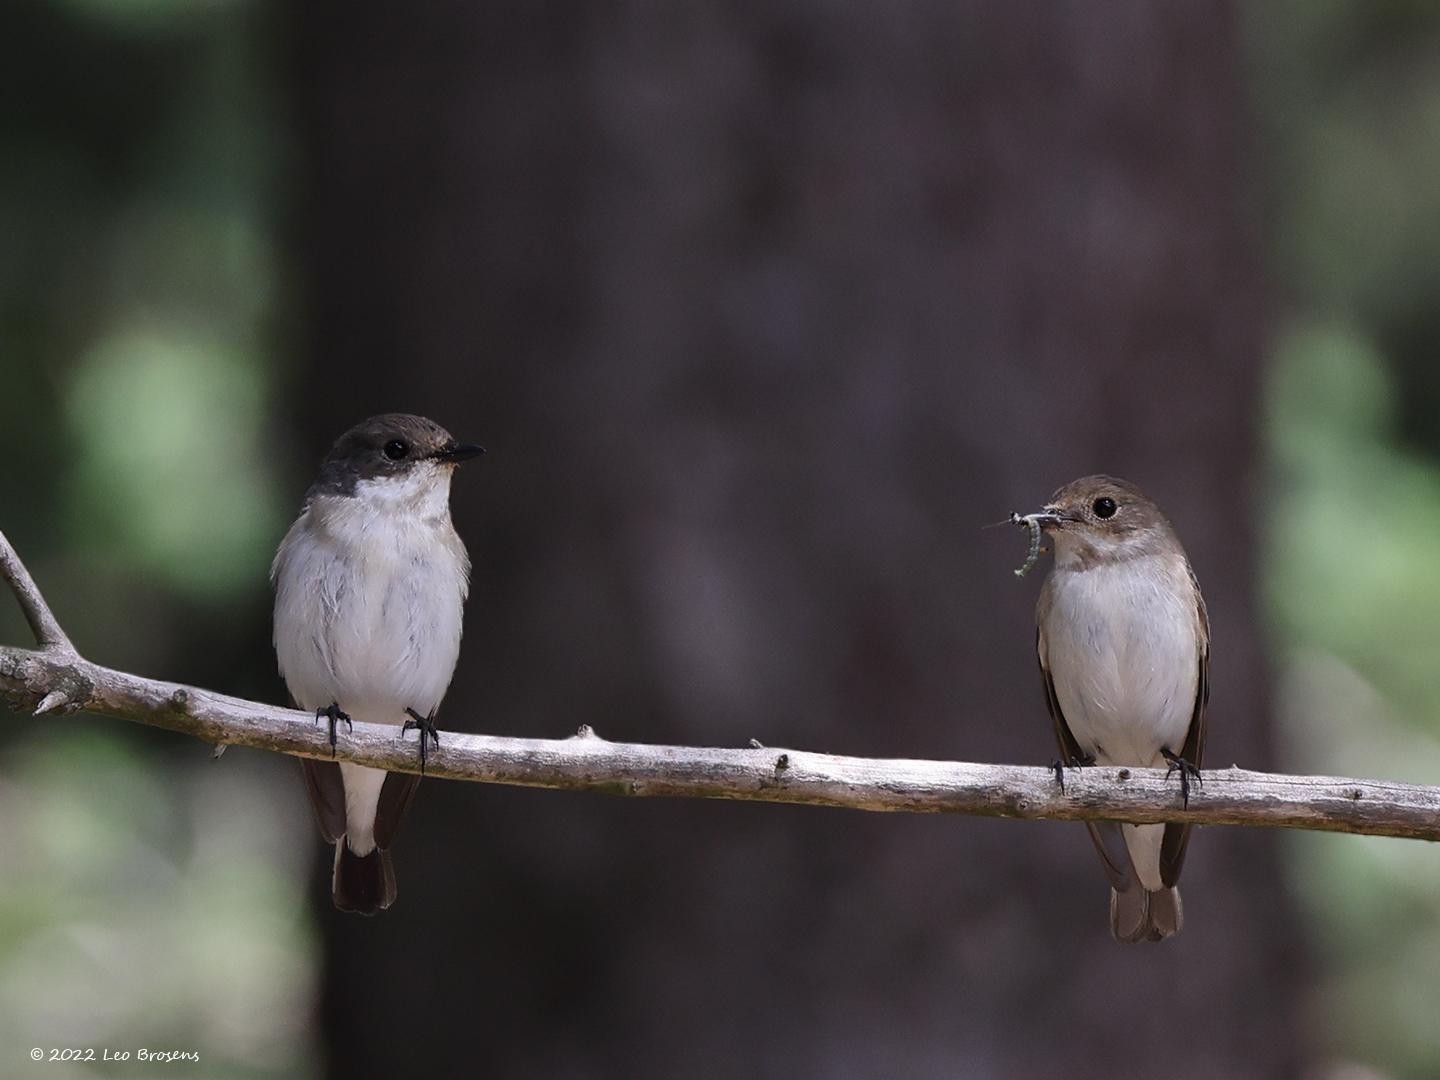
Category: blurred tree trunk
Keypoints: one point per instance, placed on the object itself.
(762, 311)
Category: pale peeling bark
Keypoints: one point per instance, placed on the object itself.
(55, 677)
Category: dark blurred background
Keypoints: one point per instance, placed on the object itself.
(762, 311)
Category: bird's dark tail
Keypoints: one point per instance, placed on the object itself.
(1137, 914)
(364, 884)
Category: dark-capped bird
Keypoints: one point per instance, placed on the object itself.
(370, 585)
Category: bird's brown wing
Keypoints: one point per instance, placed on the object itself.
(395, 796)
(326, 788)
(1107, 838)
(1172, 848)
(327, 796)
(1070, 752)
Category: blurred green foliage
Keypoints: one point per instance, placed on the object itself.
(144, 901)
(168, 470)
(142, 911)
(1357, 516)
(1347, 95)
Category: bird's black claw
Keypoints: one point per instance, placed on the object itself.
(335, 715)
(1187, 773)
(1059, 766)
(426, 726)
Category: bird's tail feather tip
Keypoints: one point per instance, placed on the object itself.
(364, 884)
(1138, 914)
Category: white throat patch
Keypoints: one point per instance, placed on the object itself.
(422, 491)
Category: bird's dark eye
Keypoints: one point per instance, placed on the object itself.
(1104, 507)
(396, 449)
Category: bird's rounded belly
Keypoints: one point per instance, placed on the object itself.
(1125, 681)
(386, 642)
(394, 651)
(1120, 730)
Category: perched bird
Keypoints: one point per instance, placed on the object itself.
(1124, 647)
(370, 585)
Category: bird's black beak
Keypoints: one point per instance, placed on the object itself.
(454, 452)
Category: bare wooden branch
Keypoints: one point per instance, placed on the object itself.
(43, 623)
(54, 676)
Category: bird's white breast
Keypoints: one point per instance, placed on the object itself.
(369, 598)
(1121, 641)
